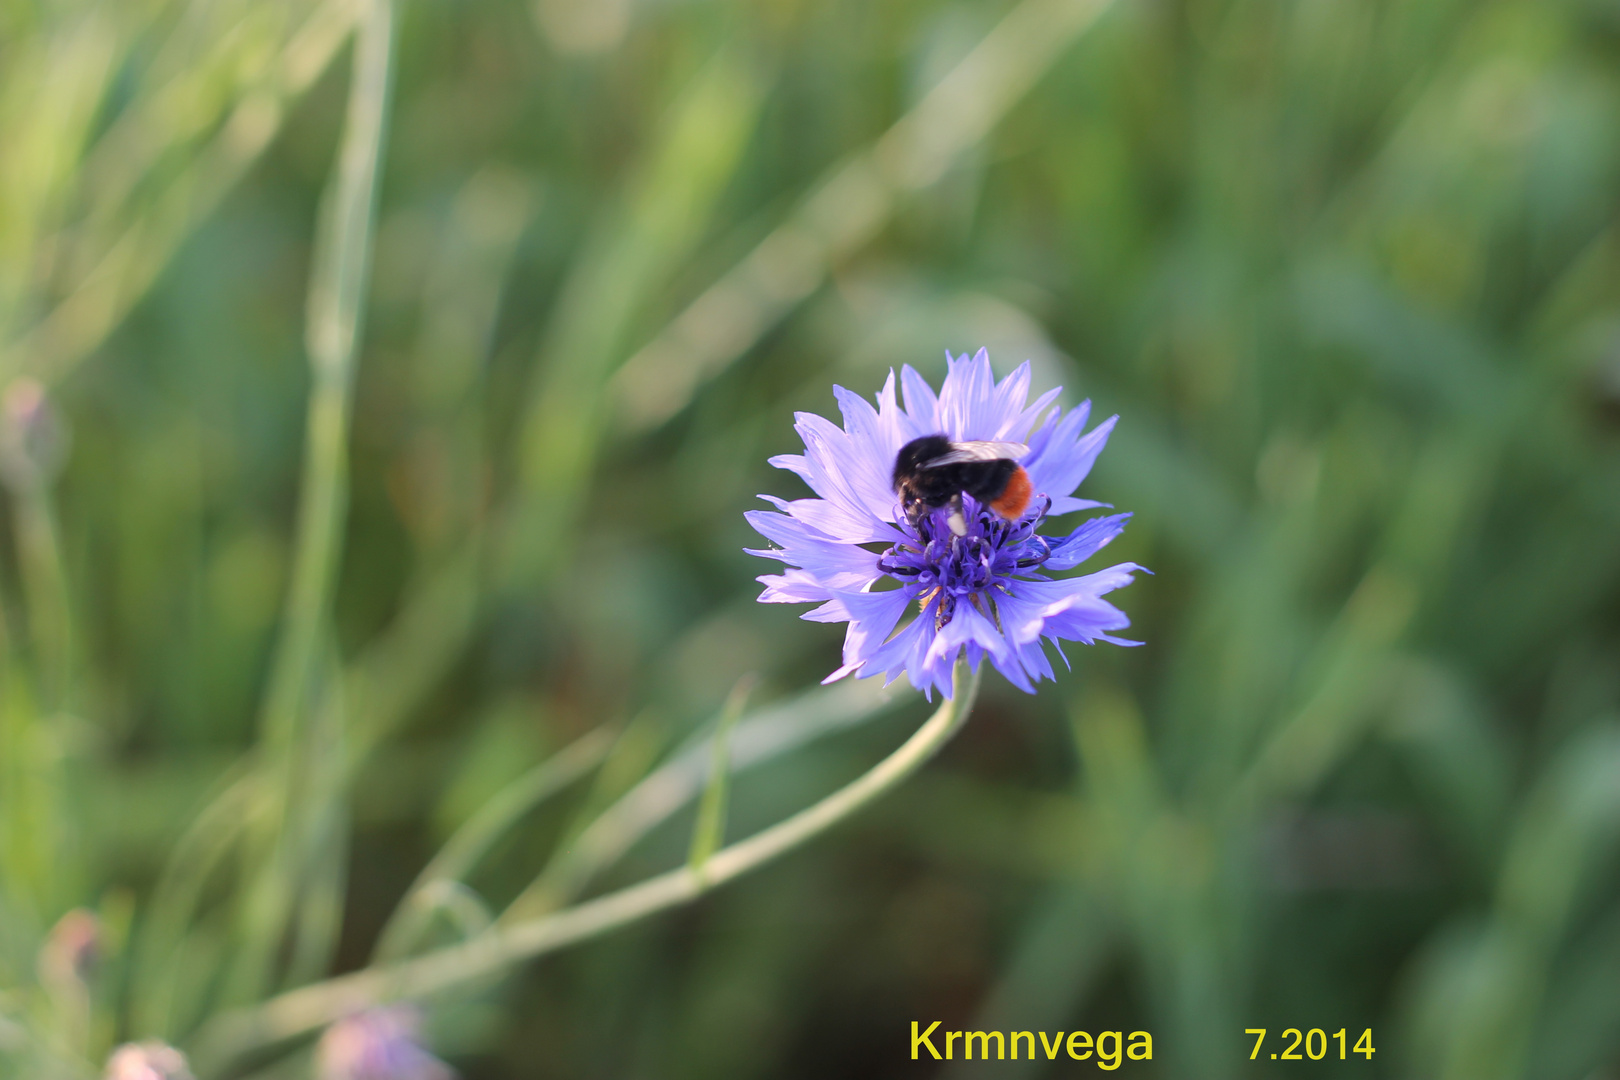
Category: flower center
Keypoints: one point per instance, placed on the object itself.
(947, 568)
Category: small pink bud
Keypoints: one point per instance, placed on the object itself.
(378, 1044)
(71, 950)
(33, 437)
(151, 1060)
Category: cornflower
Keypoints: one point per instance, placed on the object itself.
(983, 588)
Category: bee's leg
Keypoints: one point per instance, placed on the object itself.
(958, 520)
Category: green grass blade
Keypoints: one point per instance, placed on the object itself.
(708, 832)
(337, 290)
(469, 843)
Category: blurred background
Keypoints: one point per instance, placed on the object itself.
(1348, 271)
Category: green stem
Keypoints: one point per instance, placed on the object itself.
(462, 851)
(770, 735)
(339, 275)
(290, 1014)
(336, 303)
(50, 615)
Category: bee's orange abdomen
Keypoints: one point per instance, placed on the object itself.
(1014, 497)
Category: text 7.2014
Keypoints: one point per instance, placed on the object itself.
(1316, 1043)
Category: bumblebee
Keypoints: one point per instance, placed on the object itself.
(933, 471)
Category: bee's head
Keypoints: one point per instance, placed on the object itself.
(916, 453)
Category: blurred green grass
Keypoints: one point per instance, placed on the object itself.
(1347, 270)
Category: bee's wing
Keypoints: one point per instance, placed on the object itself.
(978, 451)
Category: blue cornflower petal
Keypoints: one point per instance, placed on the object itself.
(985, 594)
(922, 404)
(1091, 537)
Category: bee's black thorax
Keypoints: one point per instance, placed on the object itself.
(923, 489)
(908, 464)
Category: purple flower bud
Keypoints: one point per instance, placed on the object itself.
(71, 950)
(152, 1060)
(378, 1044)
(33, 437)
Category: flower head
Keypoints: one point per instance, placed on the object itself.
(72, 950)
(378, 1044)
(151, 1060)
(984, 589)
(33, 436)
